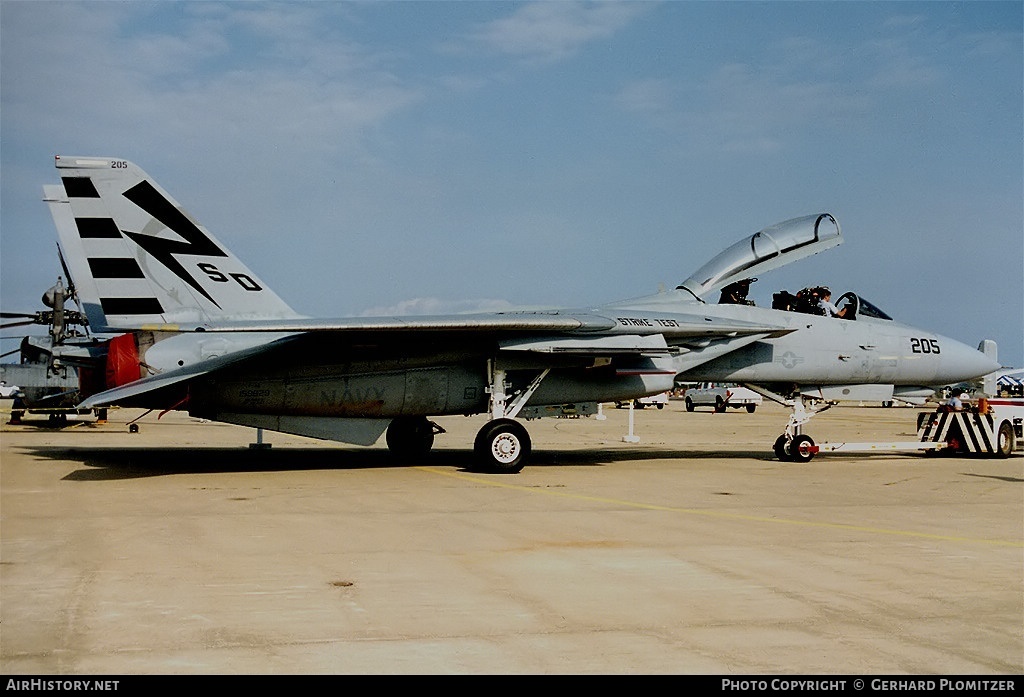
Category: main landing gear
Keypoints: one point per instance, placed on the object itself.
(502, 445)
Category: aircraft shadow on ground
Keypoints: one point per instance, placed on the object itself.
(137, 462)
(998, 477)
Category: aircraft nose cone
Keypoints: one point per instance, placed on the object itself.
(961, 362)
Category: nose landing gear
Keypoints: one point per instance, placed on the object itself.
(793, 445)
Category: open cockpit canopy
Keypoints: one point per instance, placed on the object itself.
(765, 250)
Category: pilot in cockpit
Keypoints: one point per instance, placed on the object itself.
(825, 303)
(736, 293)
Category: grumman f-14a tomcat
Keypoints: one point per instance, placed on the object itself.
(199, 331)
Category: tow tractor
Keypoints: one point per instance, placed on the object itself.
(994, 430)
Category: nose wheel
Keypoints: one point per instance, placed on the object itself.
(781, 447)
(796, 449)
(792, 445)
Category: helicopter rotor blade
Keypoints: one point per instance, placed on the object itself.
(17, 324)
(72, 292)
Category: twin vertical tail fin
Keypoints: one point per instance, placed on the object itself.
(140, 261)
(989, 383)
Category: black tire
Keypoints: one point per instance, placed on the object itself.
(1005, 440)
(954, 447)
(887, 404)
(781, 448)
(956, 443)
(502, 446)
(689, 404)
(751, 408)
(410, 436)
(798, 449)
(661, 406)
(719, 405)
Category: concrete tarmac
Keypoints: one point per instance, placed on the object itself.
(181, 550)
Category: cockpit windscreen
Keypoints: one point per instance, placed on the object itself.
(869, 309)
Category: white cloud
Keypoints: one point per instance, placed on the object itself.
(175, 79)
(550, 31)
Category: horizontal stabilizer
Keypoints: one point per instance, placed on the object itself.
(171, 377)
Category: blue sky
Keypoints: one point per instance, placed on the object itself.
(417, 157)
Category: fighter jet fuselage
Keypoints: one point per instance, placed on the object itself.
(202, 332)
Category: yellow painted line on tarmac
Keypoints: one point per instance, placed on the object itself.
(724, 515)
